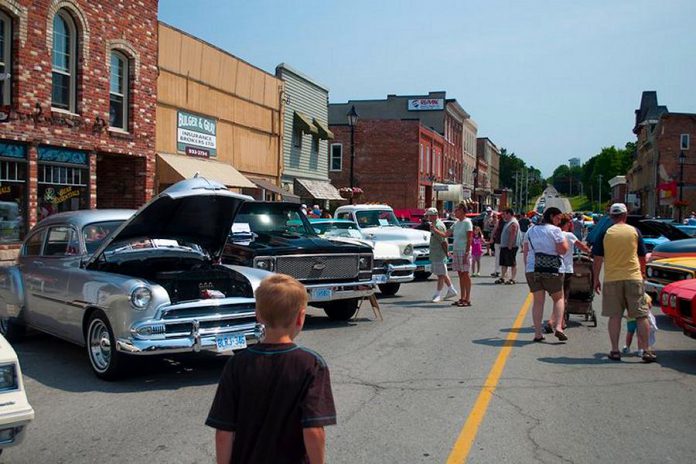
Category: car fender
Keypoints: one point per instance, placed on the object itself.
(254, 276)
(11, 292)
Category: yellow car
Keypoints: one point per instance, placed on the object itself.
(665, 271)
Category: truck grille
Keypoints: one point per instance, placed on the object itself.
(664, 275)
(319, 267)
(684, 308)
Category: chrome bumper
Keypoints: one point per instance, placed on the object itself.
(423, 267)
(653, 287)
(391, 278)
(341, 291)
(18, 422)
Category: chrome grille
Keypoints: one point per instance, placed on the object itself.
(684, 308)
(666, 275)
(318, 267)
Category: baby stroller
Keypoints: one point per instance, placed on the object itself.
(581, 292)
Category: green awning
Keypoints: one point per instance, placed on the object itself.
(304, 122)
(324, 132)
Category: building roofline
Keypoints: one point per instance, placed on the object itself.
(301, 75)
(368, 100)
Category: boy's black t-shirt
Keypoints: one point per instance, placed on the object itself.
(267, 394)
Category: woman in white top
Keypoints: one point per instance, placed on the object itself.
(547, 241)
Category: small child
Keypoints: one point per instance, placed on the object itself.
(476, 251)
(631, 328)
(274, 398)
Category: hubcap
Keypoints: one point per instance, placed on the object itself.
(99, 345)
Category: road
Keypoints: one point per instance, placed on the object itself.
(553, 198)
(404, 389)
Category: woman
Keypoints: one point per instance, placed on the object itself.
(461, 256)
(543, 248)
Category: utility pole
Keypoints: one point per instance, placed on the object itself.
(526, 188)
(599, 180)
(516, 195)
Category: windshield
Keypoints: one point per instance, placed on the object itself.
(377, 218)
(95, 233)
(338, 229)
(272, 219)
(145, 243)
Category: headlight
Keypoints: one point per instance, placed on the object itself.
(264, 263)
(140, 297)
(665, 299)
(408, 251)
(689, 276)
(8, 377)
(650, 272)
(673, 301)
(365, 263)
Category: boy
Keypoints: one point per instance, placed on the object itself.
(274, 398)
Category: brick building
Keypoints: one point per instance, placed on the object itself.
(487, 172)
(77, 88)
(653, 179)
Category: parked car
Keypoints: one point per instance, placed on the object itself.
(665, 271)
(681, 248)
(277, 237)
(688, 230)
(124, 283)
(678, 301)
(15, 411)
(378, 223)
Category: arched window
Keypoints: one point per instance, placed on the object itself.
(118, 91)
(64, 62)
(5, 59)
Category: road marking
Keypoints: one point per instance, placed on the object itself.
(466, 437)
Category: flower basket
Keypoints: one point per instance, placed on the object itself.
(680, 203)
(349, 193)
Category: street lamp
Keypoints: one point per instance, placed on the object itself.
(352, 122)
(682, 159)
(475, 174)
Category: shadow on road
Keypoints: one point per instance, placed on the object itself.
(500, 342)
(598, 358)
(665, 323)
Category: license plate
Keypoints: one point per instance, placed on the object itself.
(320, 294)
(230, 342)
(424, 268)
(381, 278)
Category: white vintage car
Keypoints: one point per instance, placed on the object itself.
(405, 250)
(15, 411)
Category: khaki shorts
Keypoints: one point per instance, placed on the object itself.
(624, 295)
(551, 283)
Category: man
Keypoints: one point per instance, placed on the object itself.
(622, 252)
(461, 231)
(509, 244)
(496, 235)
(438, 256)
(578, 225)
(488, 225)
(524, 222)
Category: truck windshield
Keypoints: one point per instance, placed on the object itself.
(377, 218)
(273, 219)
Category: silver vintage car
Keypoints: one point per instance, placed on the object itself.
(122, 282)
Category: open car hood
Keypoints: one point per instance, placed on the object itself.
(667, 230)
(197, 210)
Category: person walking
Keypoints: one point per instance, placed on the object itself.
(509, 244)
(620, 249)
(438, 256)
(489, 222)
(495, 243)
(461, 231)
(542, 250)
(476, 251)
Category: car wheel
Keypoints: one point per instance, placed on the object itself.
(106, 361)
(11, 329)
(422, 275)
(341, 310)
(389, 289)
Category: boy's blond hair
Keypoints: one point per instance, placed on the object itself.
(279, 299)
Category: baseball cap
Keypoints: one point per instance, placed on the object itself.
(618, 208)
(431, 212)
(488, 209)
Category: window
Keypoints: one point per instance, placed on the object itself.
(5, 59)
(62, 241)
(13, 192)
(34, 243)
(684, 142)
(420, 161)
(63, 178)
(427, 159)
(314, 154)
(118, 92)
(297, 137)
(63, 60)
(336, 157)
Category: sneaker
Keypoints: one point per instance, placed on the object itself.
(624, 350)
(451, 293)
(639, 353)
(437, 298)
(495, 274)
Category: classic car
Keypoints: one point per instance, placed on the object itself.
(125, 283)
(665, 271)
(277, 237)
(680, 248)
(15, 411)
(678, 301)
(688, 230)
(654, 232)
(378, 223)
(391, 267)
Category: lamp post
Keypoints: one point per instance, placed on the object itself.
(682, 159)
(475, 174)
(352, 122)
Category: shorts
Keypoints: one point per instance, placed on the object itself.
(487, 235)
(438, 268)
(461, 262)
(624, 295)
(631, 326)
(550, 283)
(508, 257)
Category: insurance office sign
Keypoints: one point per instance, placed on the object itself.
(196, 135)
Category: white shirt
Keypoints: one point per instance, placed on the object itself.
(544, 237)
(567, 267)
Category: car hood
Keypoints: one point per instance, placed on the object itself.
(295, 244)
(197, 210)
(667, 230)
(683, 262)
(684, 288)
(396, 233)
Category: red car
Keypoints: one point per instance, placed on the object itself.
(678, 301)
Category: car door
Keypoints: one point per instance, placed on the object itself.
(31, 267)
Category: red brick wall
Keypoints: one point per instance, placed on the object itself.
(669, 131)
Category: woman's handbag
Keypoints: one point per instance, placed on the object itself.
(545, 263)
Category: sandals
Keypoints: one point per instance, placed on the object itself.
(510, 282)
(499, 281)
(649, 356)
(547, 328)
(615, 355)
(539, 339)
(561, 336)
(461, 303)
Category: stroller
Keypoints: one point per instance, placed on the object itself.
(581, 292)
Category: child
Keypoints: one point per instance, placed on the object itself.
(631, 328)
(274, 398)
(476, 251)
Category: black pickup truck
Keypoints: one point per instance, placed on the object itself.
(277, 237)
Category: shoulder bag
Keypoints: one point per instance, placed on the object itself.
(545, 263)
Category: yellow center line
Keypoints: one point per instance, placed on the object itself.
(466, 437)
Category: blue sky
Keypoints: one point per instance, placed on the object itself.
(546, 79)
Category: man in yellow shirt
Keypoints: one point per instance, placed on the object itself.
(622, 252)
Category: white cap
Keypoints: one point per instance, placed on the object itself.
(431, 212)
(618, 208)
(303, 206)
(488, 209)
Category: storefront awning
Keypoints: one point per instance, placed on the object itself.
(305, 124)
(324, 132)
(449, 192)
(173, 168)
(317, 189)
(271, 187)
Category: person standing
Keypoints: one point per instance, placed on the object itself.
(462, 231)
(622, 253)
(509, 244)
(578, 225)
(489, 222)
(476, 251)
(438, 256)
(495, 243)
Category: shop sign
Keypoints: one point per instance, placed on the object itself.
(64, 194)
(466, 193)
(426, 104)
(199, 152)
(440, 187)
(196, 132)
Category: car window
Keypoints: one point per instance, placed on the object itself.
(61, 241)
(94, 234)
(376, 218)
(32, 247)
(278, 218)
(344, 216)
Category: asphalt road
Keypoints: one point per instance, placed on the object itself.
(553, 198)
(404, 389)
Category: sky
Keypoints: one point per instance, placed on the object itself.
(546, 79)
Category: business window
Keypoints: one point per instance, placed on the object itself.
(64, 59)
(684, 142)
(13, 192)
(336, 157)
(63, 180)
